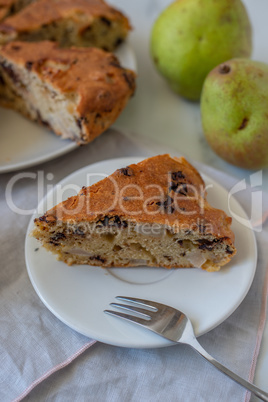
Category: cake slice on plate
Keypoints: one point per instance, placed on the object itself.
(77, 93)
(153, 213)
(69, 22)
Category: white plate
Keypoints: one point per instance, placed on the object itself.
(24, 143)
(77, 295)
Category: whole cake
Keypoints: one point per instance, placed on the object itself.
(77, 93)
(153, 213)
(68, 22)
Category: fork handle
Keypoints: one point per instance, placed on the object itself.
(255, 390)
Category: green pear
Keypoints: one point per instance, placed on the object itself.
(234, 111)
(191, 37)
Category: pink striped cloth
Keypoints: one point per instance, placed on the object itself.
(42, 359)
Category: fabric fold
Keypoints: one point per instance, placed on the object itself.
(36, 346)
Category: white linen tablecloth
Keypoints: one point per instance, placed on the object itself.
(42, 359)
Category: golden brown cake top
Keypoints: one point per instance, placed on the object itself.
(91, 74)
(44, 12)
(160, 190)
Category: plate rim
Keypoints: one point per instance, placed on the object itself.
(163, 342)
(38, 160)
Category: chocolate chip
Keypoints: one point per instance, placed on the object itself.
(202, 228)
(129, 78)
(206, 244)
(118, 222)
(112, 221)
(2, 82)
(55, 243)
(229, 250)
(81, 120)
(104, 221)
(83, 191)
(179, 187)
(173, 187)
(10, 72)
(118, 42)
(168, 257)
(106, 21)
(12, 9)
(115, 63)
(87, 29)
(127, 171)
(29, 65)
(55, 239)
(177, 175)
(97, 258)
(60, 236)
(47, 218)
(79, 232)
(166, 205)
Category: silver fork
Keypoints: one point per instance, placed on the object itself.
(172, 324)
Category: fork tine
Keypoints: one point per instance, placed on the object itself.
(132, 308)
(142, 302)
(128, 317)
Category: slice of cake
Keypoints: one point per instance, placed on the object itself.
(69, 22)
(153, 213)
(10, 7)
(77, 93)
